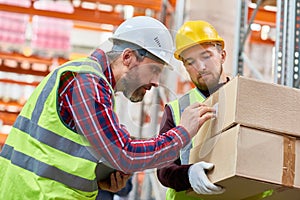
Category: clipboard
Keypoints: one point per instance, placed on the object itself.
(103, 171)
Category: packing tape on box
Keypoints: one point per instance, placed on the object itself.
(289, 156)
(288, 170)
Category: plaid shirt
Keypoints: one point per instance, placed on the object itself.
(86, 106)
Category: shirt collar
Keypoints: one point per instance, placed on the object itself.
(99, 56)
(207, 93)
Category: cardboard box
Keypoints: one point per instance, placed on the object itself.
(256, 104)
(249, 162)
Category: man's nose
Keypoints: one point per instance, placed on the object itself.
(200, 65)
(155, 80)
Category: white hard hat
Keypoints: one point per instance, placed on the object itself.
(148, 33)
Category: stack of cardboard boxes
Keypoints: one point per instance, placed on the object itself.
(254, 142)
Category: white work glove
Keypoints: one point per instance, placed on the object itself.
(199, 180)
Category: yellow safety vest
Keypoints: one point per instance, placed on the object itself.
(43, 158)
(177, 107)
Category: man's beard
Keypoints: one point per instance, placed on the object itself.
(137, 95)
(132, 91)
(210, 86)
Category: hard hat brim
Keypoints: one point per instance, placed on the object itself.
(179, 51)
(167, 64)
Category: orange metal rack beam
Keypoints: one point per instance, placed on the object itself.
(8, 118)
(153, 5)
(88, 15)
(2, 139)
(263, 16)
(19, 58)
(79, 14)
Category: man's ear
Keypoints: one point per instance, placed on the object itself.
(127, 56)
(223, 55)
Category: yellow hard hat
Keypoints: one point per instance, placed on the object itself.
(195, 32)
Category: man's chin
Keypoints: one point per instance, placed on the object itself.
(136, 96)
(136, 99)
(201, 85)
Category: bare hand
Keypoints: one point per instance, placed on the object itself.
(194, 116)
(116, 182)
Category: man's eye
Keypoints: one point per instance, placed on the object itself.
(189, 62)
(205, 57)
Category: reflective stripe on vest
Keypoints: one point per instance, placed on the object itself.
(45, 149)
(177, 107)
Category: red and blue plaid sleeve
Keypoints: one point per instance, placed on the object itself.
(92, 109)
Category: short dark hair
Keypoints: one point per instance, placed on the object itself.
(120, 45)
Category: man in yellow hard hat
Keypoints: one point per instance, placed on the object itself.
(201, 49)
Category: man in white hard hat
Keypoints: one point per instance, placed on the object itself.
(201, 49)
(68, 125)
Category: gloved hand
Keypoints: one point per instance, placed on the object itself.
(199, 180)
